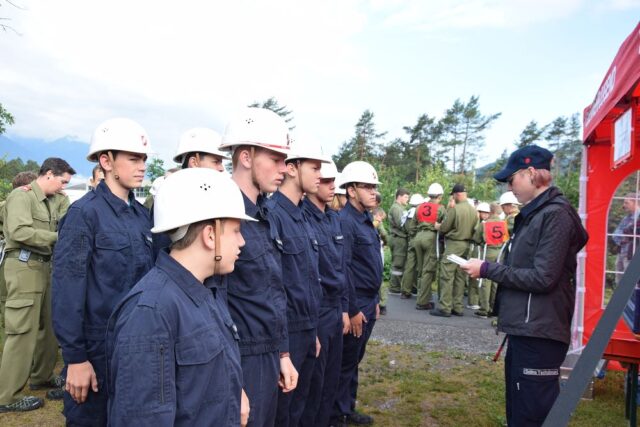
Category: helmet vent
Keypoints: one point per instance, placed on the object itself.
(205, 187)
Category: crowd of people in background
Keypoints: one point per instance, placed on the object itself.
(242, 300)
(423, 232)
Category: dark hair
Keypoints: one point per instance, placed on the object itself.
(96, 168)
(23, 178)
(378, 198)
(57, 166)
(401, 192)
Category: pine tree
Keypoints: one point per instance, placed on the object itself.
(531, 134)
(273, 105)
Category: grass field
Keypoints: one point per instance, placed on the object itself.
(404, 385)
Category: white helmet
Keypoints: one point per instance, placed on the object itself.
(199, 140)
(155, 186)
(416, 199)
(508, 198)
(435, 189)
(329, 170)
(119, 135)
(483, 207)
(192, 195)
(338, 183)
(259, 127)
(359, 171)
(303, 147)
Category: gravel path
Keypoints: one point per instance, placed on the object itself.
(403, 324)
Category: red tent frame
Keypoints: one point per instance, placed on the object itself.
(619, 92)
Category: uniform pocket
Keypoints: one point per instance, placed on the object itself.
(143, 384)
(537, 390)
(201, 370)
(293, 245)
(18, 316)
(112, 241)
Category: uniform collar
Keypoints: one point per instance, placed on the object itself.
(117, 204)
(182, 277)
(360, 216)
(310, 207)
(37, 190)
(250, 208)
(287, 205)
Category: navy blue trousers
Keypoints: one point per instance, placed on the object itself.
(260, 375)
(302, 348)
(93, 412)
(532, 371)
(326, 373)
(353, 351)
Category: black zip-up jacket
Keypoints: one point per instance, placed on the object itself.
(536, 292)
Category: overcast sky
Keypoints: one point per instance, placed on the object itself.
(176, 65)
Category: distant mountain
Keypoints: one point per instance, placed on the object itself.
(67, 148)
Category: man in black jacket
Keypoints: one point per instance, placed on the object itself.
(536, 295)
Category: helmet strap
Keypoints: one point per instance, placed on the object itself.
(254, 179)
(113, 165)
(217, 257)
(299, 167)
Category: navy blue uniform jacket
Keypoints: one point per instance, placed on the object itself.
(173, 357)
(103, 249)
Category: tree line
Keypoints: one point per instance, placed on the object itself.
(434, 149)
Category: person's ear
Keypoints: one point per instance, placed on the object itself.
(105, 162)
(208, 235)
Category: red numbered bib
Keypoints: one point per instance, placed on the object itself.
(427, 212)
(495, 233)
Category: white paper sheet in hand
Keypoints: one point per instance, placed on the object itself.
(455, 258)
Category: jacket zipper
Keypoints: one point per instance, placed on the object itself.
(161, 374)
(528, 308)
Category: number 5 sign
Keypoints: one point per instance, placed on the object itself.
(495, 233)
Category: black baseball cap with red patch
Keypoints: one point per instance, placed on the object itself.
(528, 156)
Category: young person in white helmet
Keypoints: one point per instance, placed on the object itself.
(103, 249)
(298, 243)
(259, 140)
(333, 317)
(363, 269)
(198, 147)
(173, 329)
(429, 216)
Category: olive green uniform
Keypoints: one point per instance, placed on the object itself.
(472, 284)
(457, 227)
(427, 253)
(398, 245)
(384, 238)
(3, 284)
(411, 267)
(30, 225)
(488, 253)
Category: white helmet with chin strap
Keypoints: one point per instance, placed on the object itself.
(416, 199)
(509, 198)
(483, 207)
(435, 189)
(201, 194)
(328, 171)
(359, 171)
(118, 134)
(199, 140)
(258, 127)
